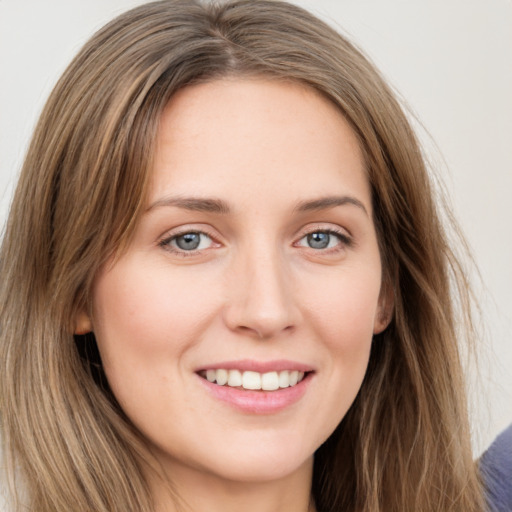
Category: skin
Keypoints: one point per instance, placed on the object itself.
(255, 289)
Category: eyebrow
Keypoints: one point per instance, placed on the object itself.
(324, 203)
(195, 204)
(213, 205)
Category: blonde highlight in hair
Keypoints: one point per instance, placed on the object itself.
(404, 444)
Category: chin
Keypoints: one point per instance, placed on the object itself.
(262, 469)
(250, 461)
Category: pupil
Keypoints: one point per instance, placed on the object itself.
(189, 241)
(318, 240)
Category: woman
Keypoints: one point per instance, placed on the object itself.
(225, 283)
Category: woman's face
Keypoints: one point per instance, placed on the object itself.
(255, 261)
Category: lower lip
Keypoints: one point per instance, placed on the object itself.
(259, 402)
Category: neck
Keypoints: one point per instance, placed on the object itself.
(189, 490)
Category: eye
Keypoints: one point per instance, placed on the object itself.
(188, 242)
(324, 239)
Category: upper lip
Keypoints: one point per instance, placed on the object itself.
(258, 366)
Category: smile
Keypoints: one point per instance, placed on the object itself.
(251, 380)
(257, 387)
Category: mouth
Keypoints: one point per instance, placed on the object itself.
(257, 387)
(252, 380)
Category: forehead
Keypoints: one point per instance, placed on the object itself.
(234, 136)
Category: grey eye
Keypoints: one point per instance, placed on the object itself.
(188, 241)
(318, 240)
(327, 239)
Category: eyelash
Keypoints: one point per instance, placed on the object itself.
(345, 241)
(166, 243)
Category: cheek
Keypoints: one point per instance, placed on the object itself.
(145, 316)
(146, 320)
(142, 306)
(343, 317)
(343, 309)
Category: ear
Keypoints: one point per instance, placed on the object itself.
(385, 308)
(83, 323)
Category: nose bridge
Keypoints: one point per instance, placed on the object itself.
(261, 300)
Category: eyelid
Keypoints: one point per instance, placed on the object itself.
(345, 238)
(165, 240)
(313, 227)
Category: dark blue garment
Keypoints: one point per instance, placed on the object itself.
(496, 471)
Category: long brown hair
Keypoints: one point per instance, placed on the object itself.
(404, 444)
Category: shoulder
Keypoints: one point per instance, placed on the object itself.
(496, 471)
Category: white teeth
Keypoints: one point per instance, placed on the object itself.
(221, 377)
(284, 379)
(235, 378)
(251, 380)
(269, 381)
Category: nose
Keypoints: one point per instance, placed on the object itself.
(261, 301)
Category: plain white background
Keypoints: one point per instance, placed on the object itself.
(451, 61)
